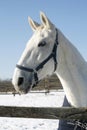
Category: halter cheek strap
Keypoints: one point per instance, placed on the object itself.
(41, 65)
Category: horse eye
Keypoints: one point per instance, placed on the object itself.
(41, 44)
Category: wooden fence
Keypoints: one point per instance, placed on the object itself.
(44, 113)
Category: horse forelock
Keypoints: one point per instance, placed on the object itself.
(39, 28)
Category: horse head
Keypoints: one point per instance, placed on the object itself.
(39, 57)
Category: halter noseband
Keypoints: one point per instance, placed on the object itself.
(41, 65)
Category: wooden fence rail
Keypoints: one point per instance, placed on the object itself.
(44, 113)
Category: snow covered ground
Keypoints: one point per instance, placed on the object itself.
(52, 99)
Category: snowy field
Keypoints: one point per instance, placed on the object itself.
(52, 99)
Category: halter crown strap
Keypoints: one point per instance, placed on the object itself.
(54, 51)
(41, 65)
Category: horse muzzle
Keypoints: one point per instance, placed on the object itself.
(22, 84)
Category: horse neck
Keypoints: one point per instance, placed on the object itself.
(71, 72)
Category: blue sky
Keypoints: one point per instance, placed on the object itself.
(70, 16)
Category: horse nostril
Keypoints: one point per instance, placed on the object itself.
(20, 81)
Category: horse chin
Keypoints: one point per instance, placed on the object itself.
(21, 91)
(28, 89)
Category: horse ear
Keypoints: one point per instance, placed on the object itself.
(34, 25)
(45, 21)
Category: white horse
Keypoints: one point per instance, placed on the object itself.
(47, 52)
